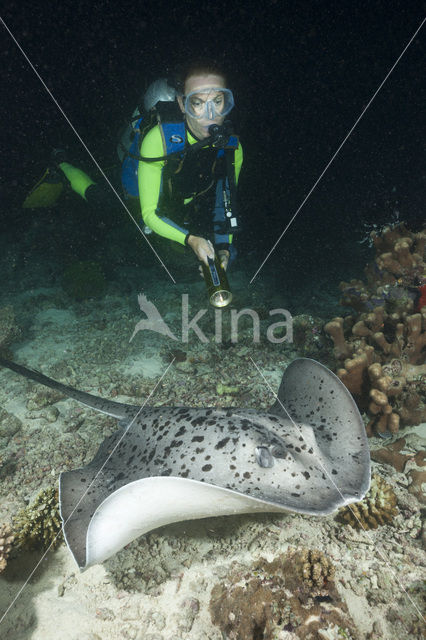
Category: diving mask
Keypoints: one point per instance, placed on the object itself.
(209, 103)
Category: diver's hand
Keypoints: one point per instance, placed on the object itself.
(223, 255)
(202, 248)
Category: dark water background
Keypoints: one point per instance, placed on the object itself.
(302, 72)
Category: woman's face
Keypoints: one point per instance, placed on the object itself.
(199, 126)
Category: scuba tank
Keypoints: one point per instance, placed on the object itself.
(144, 116)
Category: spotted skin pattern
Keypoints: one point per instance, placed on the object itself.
(307, 454)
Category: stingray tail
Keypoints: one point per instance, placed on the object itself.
(115, 409)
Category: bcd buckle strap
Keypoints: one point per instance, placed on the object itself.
(232, 222)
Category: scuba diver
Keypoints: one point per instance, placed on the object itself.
(180, 161)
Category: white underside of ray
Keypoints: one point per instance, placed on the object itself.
(149, 503)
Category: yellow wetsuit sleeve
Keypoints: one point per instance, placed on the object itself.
(149, 180)
(238, 162)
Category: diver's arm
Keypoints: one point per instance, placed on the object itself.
(149, 179)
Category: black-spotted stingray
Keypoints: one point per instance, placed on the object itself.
(307, 454)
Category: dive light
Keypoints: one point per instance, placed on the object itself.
(216, 283)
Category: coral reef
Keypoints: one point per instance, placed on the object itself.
(417, 474)
(395, 276)
(315, 568)
(376, 509)
(293, 593)
(308, 337)
(9, 331)
(6, 543)
(391, 454)
(384, 347)
(413, 464)
(38, 526)
(82, 280)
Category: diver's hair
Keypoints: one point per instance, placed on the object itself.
(200, 66)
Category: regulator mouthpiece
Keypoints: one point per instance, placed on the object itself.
(220, 133)
(216, 283)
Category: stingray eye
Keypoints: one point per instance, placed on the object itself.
(264, 457)
(279, 452)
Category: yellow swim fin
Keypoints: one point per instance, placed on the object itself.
(45, 193)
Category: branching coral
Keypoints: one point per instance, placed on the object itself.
(39, 525)
(392, 389)
(383, 349)
(400, 251)
(394, 275)
(293, 593)
(376, 509)
(315, 568)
